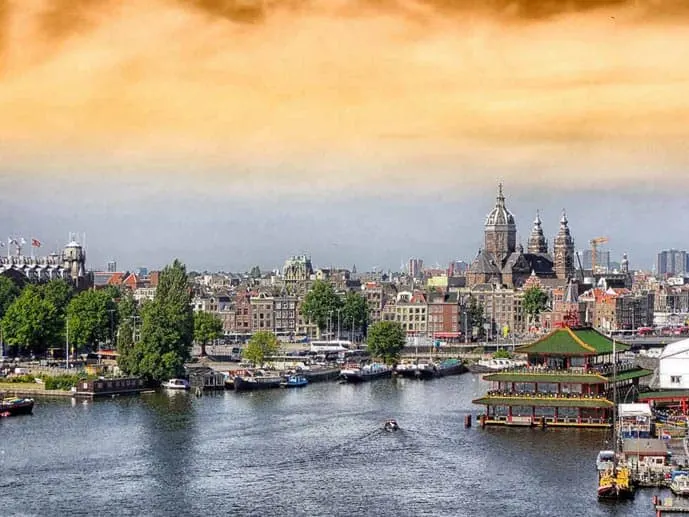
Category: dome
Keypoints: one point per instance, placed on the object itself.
(500, 215)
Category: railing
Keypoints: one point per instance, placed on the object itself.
(605, 369)
(538, 395)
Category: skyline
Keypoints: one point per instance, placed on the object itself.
(230, 133)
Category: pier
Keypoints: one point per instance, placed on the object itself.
(670, 505)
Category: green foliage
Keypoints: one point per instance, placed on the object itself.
(478, 350)
(475, 315)
(30, 322)
(502, 354)
(354, 315)
(535, 301)
(167, 329)
(255, 272)
(50, 382)
(261, 345)
(386, 339)
(88, 318)
(23, 379)
(207, 328)
(320, 304)
(58, 293)
(126, 316)
(8, 293)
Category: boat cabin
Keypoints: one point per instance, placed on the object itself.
(635, 420)
(646, 453)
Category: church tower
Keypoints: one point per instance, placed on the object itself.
(537, 242)
(563, 251)
(500, 230)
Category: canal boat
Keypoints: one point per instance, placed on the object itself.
(176, 384)
(365, 373)
(680, 483)
(391, 425)
(494, 365)
(294, 381)
(450, 367)
(256, 380)
(426, 370)
(16, 406)
(406, 370)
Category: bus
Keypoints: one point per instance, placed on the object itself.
(338, 345)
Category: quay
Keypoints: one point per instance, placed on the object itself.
(29, 391)
(669, 505)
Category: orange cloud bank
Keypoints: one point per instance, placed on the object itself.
(517, 89)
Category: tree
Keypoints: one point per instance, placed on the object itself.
(355, 312)
(255, 272)
(261, 345)
(29, 322)
(320, 303)
(207, 328)
(58, 293)
(386, 339)
(535, 302)
(475, 314)
(167, 329)
(8, 293)
(127, 315)
(88, 318)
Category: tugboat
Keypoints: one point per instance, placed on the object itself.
(294, 381)
(391, 426)
(16, 406)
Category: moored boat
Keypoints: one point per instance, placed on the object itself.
(450, 367)
(426, 370)
(294, 381)
(257, 380)
(493, 365)
(16, 406)
(605, 460)
(680, 483)
(407, 370)
(615, 484)
(367, 372)
(176, 384)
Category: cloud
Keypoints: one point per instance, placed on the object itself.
(347, 93)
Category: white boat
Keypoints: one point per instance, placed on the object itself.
(680, 483)
(494, 365)
(365, 373)
(176, 384)
(605, 460)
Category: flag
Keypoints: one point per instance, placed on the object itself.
(2, 244)
(11, 241)
(23, 241)
(35, 243)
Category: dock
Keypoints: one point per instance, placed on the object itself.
(670, 505)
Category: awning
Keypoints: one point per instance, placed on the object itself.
(447, 335)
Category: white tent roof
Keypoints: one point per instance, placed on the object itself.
(675, 348)
(626, 410)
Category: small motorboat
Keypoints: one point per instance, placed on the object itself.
(16, 406)
(294, 381)
(391, 426)
(680, 483)
(176, 384)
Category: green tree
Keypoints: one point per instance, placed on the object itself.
(127, 316)
(207, 328)
(261, 345)
(28, 322)
(535, 302)
(167, 329)
(354, 312)
(386, 339)
(255, 272)
(320, 304)
(475, 315)
(88, 318)
(502, 354)
(8, 293)
(58, 293)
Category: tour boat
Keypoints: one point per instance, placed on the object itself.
(16, 406)
(680, 483)
(368, 372)
(294, 381)
(494, 365)
(390, 425)
(176, 384)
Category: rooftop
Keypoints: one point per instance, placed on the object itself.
(574, 342)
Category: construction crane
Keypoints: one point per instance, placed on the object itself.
(595, 242)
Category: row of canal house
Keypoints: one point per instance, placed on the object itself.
(568, 381)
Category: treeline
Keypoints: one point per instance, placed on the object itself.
(153, 340)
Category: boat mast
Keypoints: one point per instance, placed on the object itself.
(614, 400)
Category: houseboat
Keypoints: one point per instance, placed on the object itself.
(256, 380)
(16, 406)
(364, 373)
(109, 386)
(567, 380)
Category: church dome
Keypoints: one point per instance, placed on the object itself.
(500, 215)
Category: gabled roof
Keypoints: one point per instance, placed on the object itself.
(575, 342)
(676, 348)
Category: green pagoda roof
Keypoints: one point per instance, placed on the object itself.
(572, 341)
(543, 402)
(664, 394)
(630, 374)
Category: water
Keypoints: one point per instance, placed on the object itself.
(311, 451)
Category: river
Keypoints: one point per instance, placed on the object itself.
(312, 451)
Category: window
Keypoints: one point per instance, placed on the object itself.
(675, 379)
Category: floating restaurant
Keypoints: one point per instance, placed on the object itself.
(567, 381)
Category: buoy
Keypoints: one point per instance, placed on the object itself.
(467, 421)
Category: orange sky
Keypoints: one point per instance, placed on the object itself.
(411, 91)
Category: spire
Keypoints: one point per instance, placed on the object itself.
(563, 219)
(537, 242)
(563, 250)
